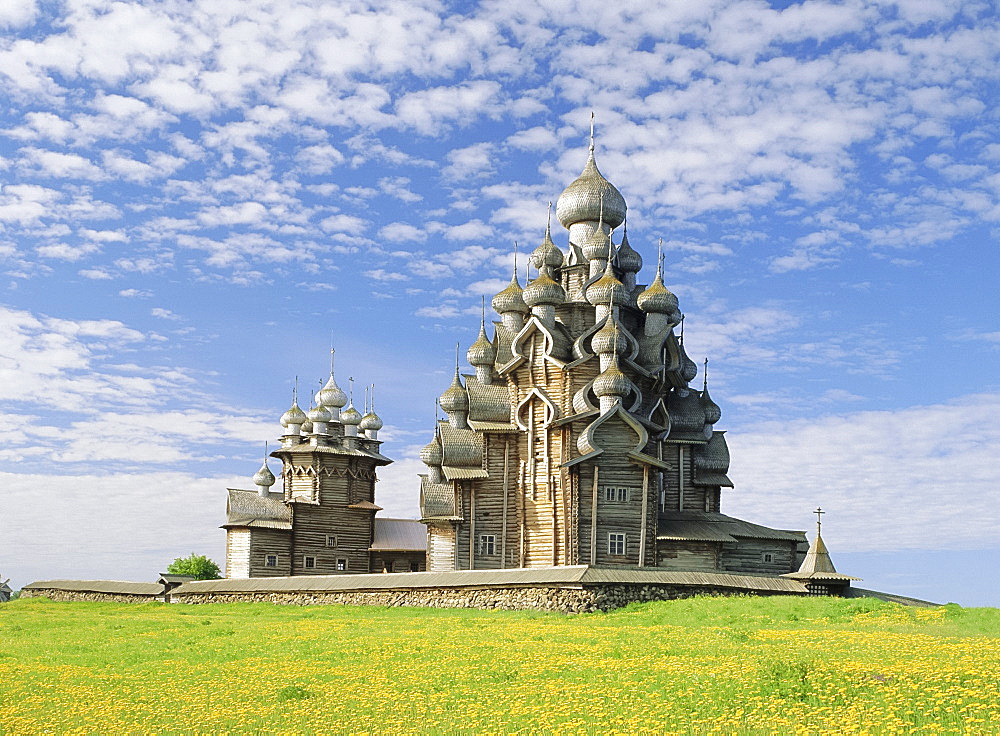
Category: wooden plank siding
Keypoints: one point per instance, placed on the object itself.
(264, 542)
(238, 553)
(748, 556)
(544, 495)
(328, 485)
(440, 547)
(701, 556)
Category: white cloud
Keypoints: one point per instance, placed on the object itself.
(17, 14)
(320, 159)
(161, 313)
(889, 479)
(430, 111)
(52, 164)
(402, 232)
(469, 162)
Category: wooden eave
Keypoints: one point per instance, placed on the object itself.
(364, 505)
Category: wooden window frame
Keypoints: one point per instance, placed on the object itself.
(487, 545)
(334, 538)
(306, 564)
(614, 540)
(268, 558)
(617, 494)
(342, 564)
(767, 557)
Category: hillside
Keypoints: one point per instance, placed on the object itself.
(704, 665)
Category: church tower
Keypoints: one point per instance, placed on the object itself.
(323, 521)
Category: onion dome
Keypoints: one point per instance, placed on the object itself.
(543, 290)
(607, 289)
(481, 352)
(688, 369)
(370, 420)
(430, 454)
(294, 415)
(455, 398)
(547, 256)
(597, 245)
(264, 476)
(612, 382)
(657, 298)
(583, 199)
(510, 299)
(609, 339)
(320, 414)
(350, 416)
(712, 411)
(331, 395)
(628, 259)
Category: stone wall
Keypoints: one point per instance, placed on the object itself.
(537, 598)
(80, 595)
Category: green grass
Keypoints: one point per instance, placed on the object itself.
(702, 665)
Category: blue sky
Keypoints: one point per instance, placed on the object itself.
(194, 196)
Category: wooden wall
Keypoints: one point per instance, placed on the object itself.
(337, 481)
(389, 561)
(440, 547)
(238, 553)
(748, 556)
(265, 542)
(703, 556)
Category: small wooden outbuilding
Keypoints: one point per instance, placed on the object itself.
(817, 570)
(169, 581)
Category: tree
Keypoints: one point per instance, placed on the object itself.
(198, 566)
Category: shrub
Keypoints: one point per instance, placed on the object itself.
(198, 566)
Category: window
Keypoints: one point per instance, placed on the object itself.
(331, 540)
(309, 563)
(414, 567)
(616, 544)
(487, 544)
(341, 564)
(616, 494)
(270, 560)
(767, 557)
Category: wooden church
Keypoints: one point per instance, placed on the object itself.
(323, 521)
(582, 438)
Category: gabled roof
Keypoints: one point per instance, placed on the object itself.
(713, 526)
(250, 509)
(167, 577)
(399, 535)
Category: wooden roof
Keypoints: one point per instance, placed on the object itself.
(708, 526)
(577, 576)
(121, 587)
(399, 535)
(250, 509)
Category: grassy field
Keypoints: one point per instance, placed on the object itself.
(704, 665)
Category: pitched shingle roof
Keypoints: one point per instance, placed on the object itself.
(399, 535)
(249, 508)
